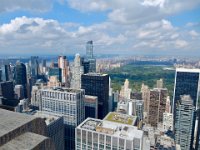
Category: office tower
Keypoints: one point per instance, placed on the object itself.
(159, 83)
(111, 101)
(136, 95)
(164, 142)
(91, 106)
(157, 104)
(19, 92)
(22, 106)
(186, 83)
(77, 71)
(185, 122)
(56, 72)
(131, 107)
(168, 105)
(20, 76)
(90, 56)
(145, 96)
(43, 66)
(63, 64)
(20, 131)
(97, 85)
(113, 133)
(7, 89)
(54, 82)
(6, 74)
(35, 95)
(68, 103)
(125, 91)
(55, 128)
(168, 121)
(35, 66)
(86, 65)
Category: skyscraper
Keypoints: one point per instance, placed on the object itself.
(64, 65)
(77, 71)
(157, 106)
(97, 85)
(34, 66)
(186, 83)
(68, 103)
(90, 56)
(20, 76)
(184, 122)
(125, 90)
(19, 92)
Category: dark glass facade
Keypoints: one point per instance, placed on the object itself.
(97, 85)
(20, 76)
(56, 72)
(186, 84)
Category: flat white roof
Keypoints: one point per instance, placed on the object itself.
(187, 70)
(120, 130)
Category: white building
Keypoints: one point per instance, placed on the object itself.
(104, 134)
(125, 91)
(167, 121)
(77, 71)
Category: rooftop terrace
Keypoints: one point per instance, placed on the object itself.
(111, 128)
(121, 118)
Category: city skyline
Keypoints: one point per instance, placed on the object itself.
(143, 27)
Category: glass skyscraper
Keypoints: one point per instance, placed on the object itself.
(187, 83)
(97, 85)
(90, 57)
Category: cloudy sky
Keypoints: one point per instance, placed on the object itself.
(146, 27)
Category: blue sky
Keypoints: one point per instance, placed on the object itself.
(39, 27)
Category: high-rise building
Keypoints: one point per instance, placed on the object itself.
(77, 71)
(20, 131)
(114, 132)
(20, 76)
(159, 83)
(145, 96)
(187, 83)
(19, 92)
(34, 66)
(6, 74)
(63, 64)
(168, 121)
(91, 106)
(55, 72)
(7, 89)
(125, 90)
(68, 103)
(97, 85)
(90, 56)
(157, 106)
(185, 122)
(55, 128)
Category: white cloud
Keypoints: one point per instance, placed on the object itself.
(193, 33)
(134, 11)
(181, 43)
(30, 5)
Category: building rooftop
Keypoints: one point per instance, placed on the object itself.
(11, 120)
(25, 141)
(121, 118)
(69, 90)
(111, 128)
(49, 118)
(187, 70)
(95, 74)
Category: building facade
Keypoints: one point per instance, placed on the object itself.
(68, 103)
(97, 85)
